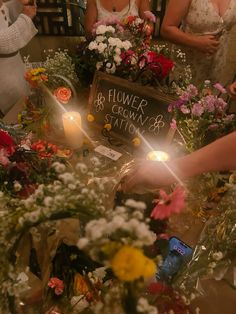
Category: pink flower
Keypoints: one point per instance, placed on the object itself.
(57, 284)
(193, 91)
(169, 204)
(184, 109)
(173, 124)
(4, 157)
(220, 88)
(150, 16)
(197, 109)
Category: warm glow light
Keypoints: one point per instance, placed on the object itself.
(73, 128)
(158, 155)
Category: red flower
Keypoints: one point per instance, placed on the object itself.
(158, 64)
(169, 204)
(7, 142)
(45, 149)
(63, 94)
(57, 285)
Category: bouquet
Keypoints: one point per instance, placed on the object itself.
(200, 116)
(124, 48)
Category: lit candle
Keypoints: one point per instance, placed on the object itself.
(73, 128)
(158, 155)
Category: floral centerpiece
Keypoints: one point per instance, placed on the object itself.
(124, 48)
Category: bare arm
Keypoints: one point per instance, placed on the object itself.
(217, 156)
(232, 90)
(91, 15)
(144, 5)
(170, 29)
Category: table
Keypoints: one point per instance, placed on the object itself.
(218, 297)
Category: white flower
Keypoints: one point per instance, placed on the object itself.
(100, 38)
(135, 204)
(59, 167)
(110, 69)
(92, 45)
(126, 45)
(48, 201)
(82, 243)
(101, 47)
(17, 186)
(117, 51)
(22, 277)
(144, 307)
(67, 177)
(81, 167)
(100, 272)
(217, 256)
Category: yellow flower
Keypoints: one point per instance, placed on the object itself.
(90, 117)
(107, 126)
(149, 268)
(136, 141)
(80, 285)
(130, 263)
(37, 71)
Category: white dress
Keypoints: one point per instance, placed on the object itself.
(202, 19)
(14, 35)
(129, 10)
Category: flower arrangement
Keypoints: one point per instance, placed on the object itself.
(51, 86)
(124, 48)
(200, 115)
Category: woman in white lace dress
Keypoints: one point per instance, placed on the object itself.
(204, 35)
(16, 30)
(98, 10)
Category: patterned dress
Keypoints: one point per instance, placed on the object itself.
(13, 36)
(104, 14)
(203, 19)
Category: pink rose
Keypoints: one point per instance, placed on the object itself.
(63, 94)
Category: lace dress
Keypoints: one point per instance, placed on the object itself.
(202, 19)
(12, 38)
(104, 14)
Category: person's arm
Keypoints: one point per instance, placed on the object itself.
(170, 30)
(144, 5)
(15, 8)
(19, 33)
(232, 90)
(217, 156)
(90, 18)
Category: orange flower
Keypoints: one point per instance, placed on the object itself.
(45, 149)
(63, 94)
(80, 285)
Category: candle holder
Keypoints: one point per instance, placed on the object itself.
(158, 155)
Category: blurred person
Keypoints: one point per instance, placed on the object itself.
(203, 34)
(98, 10)
(16, 30)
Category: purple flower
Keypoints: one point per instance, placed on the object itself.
(220, 88)
(229, 118)
(177, 104)
(209, 103)
(150, 16)
(197, 109)
(220, 104)
(192, 90)
(185, 96)
(213, 127)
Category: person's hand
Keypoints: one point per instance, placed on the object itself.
(208, 44)
(145, 176)
(29, 10)
(232, 90)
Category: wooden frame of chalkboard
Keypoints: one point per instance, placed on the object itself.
(131, 109)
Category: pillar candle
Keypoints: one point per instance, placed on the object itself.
(73, 128)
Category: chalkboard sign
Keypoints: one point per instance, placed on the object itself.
(131, 109)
